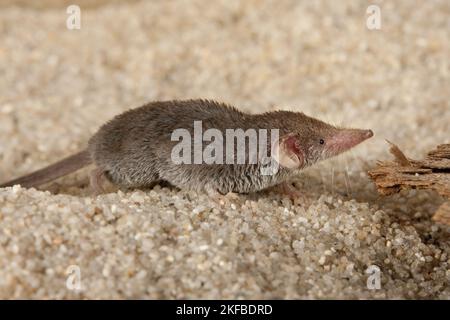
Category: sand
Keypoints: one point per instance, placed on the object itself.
(57, 86)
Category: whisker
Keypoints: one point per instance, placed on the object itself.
(332, 180)
(353, 154)
(323, 182)
(347, 179)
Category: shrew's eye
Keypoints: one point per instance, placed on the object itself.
(321, 141)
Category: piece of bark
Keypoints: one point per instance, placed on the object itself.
(431, 173)
(441, 152)
(442, 214)
(399, 155)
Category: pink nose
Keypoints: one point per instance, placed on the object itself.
(368, 134)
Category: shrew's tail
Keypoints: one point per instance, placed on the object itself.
(53, 171)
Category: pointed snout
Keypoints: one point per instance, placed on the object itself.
(367, 134)
(346, 139)
(352, 137)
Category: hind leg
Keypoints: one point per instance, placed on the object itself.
(286, 188)
(96, 179)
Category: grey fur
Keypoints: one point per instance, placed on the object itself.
(134, 149)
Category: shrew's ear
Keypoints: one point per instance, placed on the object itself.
(288, 152)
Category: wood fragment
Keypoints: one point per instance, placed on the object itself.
(398, 154)
(441, 152)
(431, 173)
(442, 214)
